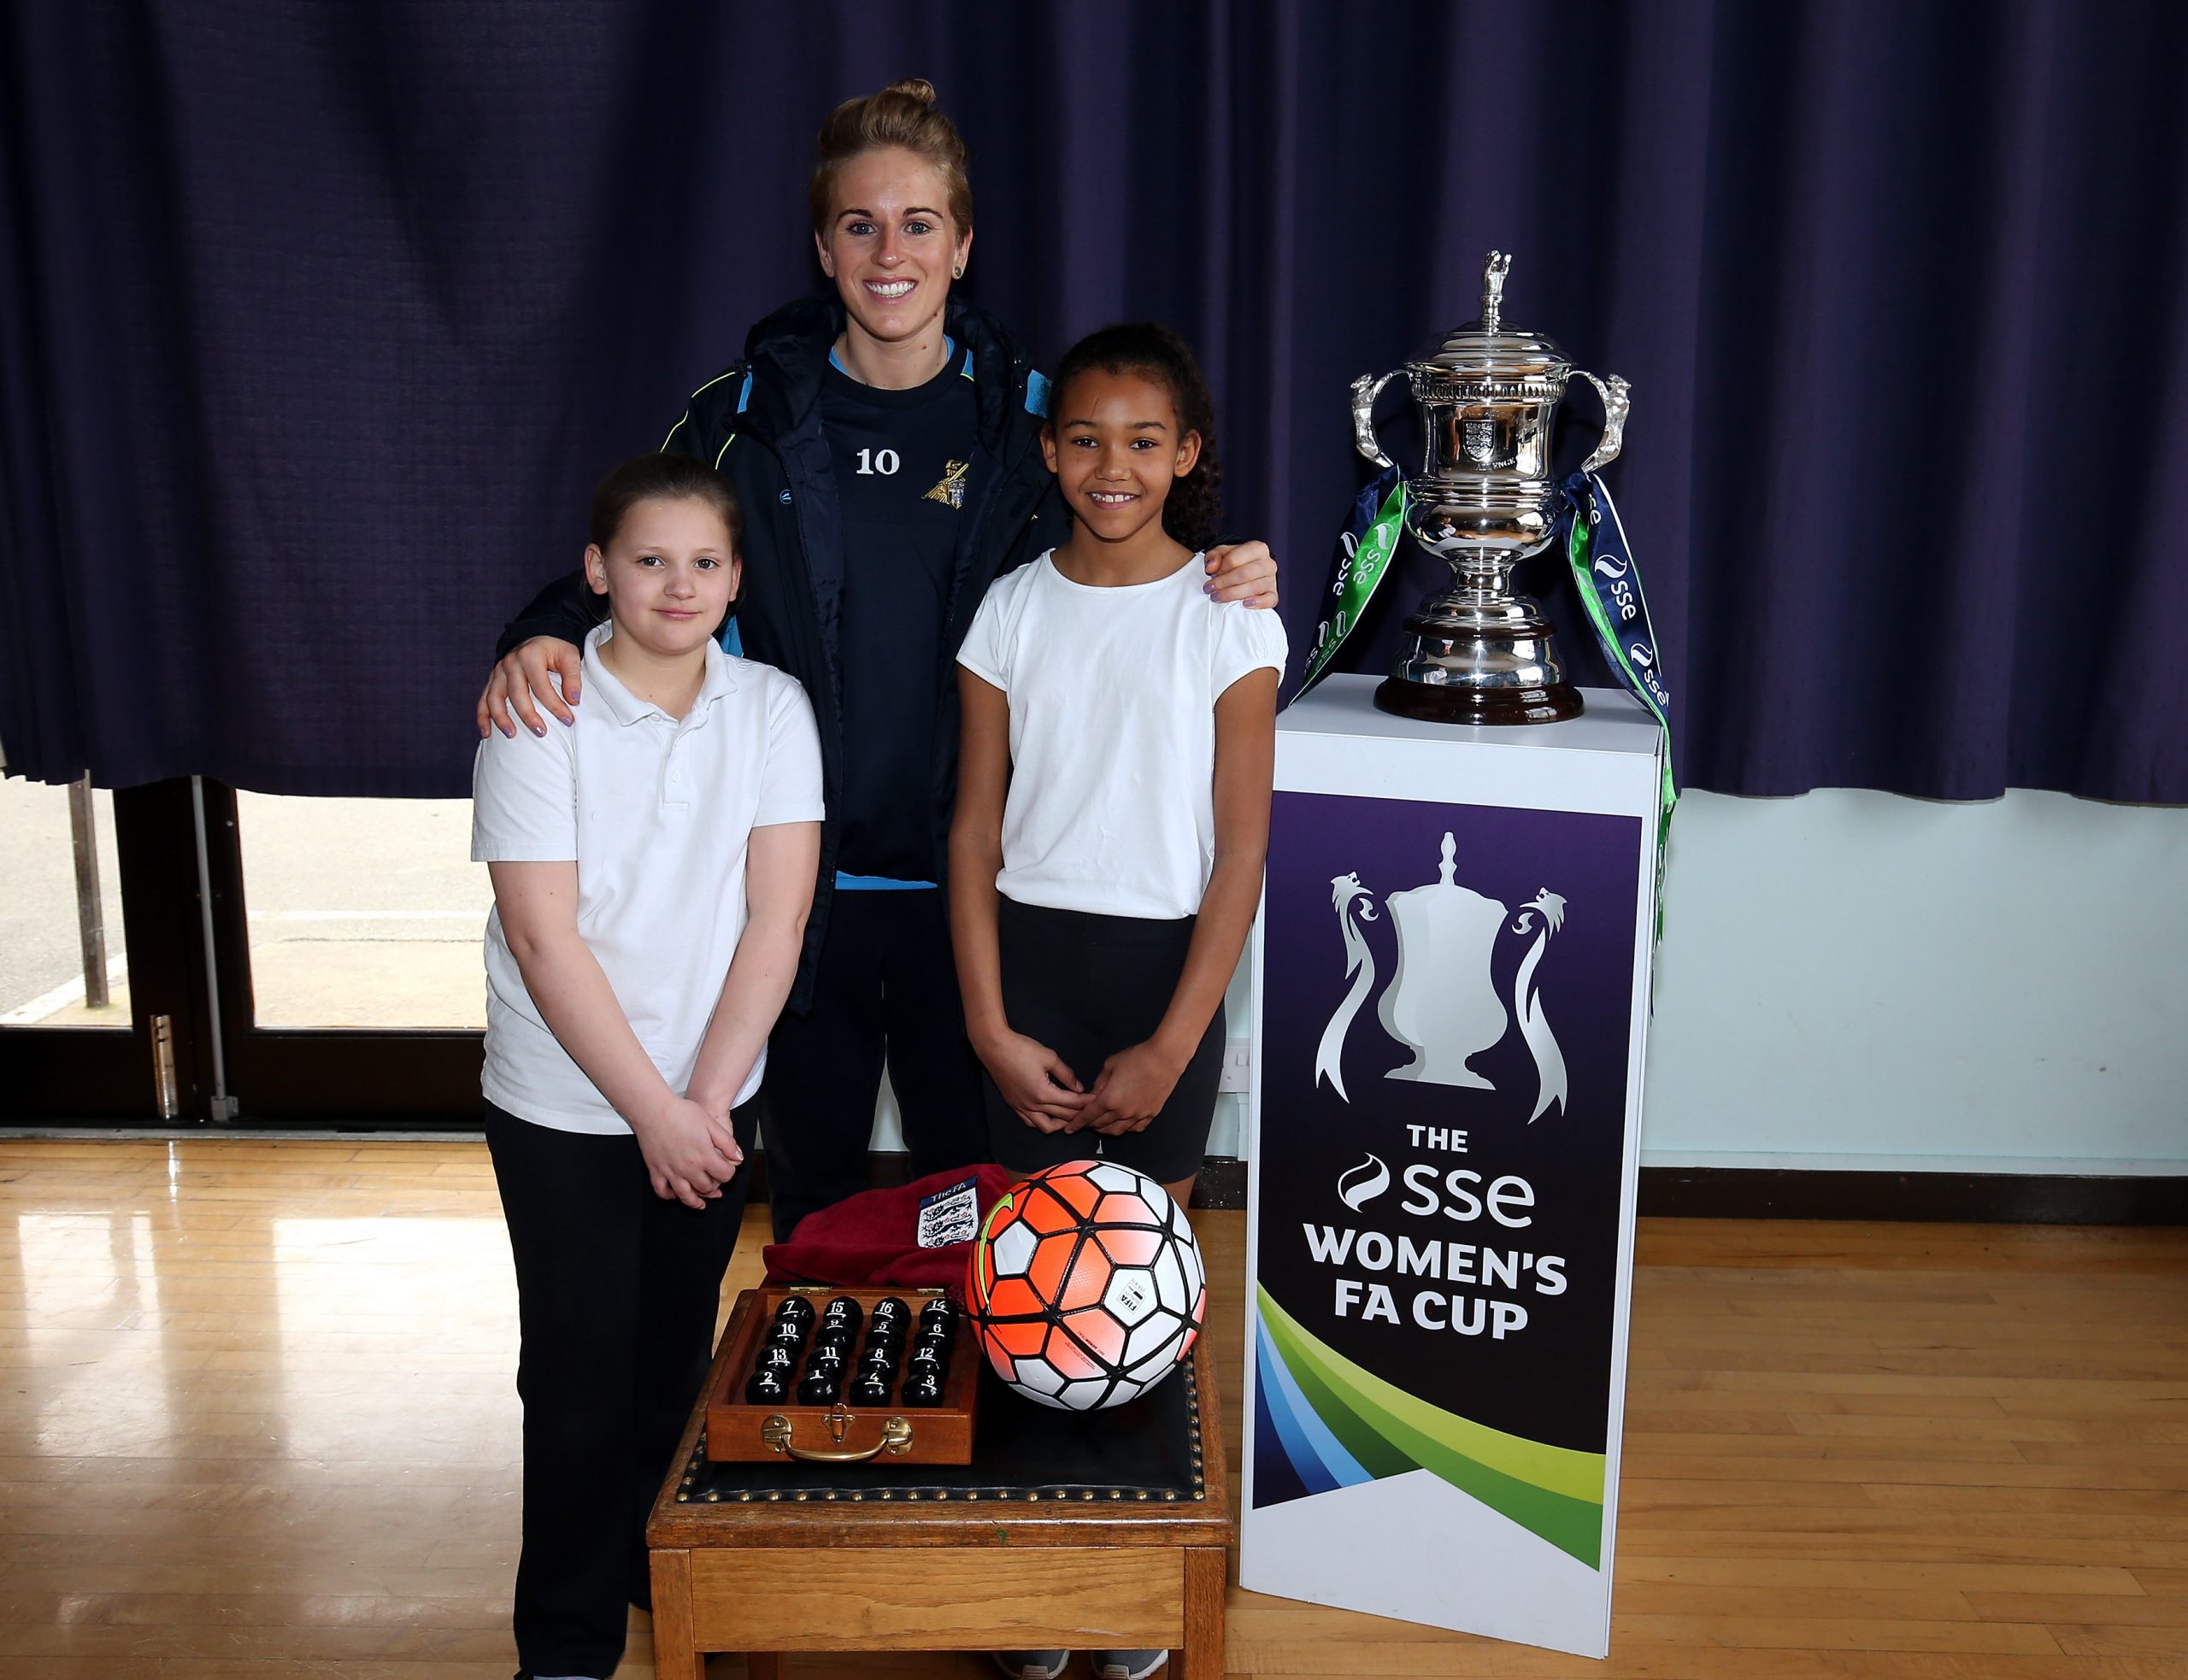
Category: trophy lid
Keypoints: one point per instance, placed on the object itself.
(1485, 348)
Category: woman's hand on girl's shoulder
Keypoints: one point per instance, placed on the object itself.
(1243, 572)
(1040, 1087)
(1133, 1086)
(519, 686)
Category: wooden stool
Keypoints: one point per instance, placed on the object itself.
(769, 1558)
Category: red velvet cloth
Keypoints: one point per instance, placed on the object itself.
(872, 1239)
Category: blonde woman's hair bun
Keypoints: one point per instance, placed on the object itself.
(904, 115)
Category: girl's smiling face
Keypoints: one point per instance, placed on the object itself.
(890, 245)
(1113, 442)
(669, 574)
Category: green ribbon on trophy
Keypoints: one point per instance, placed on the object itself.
(1604, 576)
(1608, 585)
(1365, 548)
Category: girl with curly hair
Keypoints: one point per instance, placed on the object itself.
(1113, 786)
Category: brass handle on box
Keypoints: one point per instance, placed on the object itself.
(775, 1434)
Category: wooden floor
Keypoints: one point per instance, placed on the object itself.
(256, 1419)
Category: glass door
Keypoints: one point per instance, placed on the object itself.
(346, 935)
(103, 1012)
(181, 953)
(63, 959)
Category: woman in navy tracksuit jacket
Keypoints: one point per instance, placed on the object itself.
(875, 520)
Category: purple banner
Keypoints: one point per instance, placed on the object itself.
(1447, 996)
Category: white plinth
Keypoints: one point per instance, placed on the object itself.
(1452, 972)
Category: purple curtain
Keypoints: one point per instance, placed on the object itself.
(317, 323)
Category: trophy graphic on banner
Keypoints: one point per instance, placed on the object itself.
(1486, 497)
(1442, 1003)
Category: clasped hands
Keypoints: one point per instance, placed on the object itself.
(690, 1150)
(1041, 1089)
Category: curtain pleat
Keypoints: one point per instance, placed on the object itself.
(317, 324)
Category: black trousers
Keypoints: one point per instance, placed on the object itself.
(617, 1294)
(886, 991)
(1088, 986)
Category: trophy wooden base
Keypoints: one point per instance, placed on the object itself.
(1443, 702)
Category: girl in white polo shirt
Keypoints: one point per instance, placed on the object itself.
(653, 863)
(1112, 789)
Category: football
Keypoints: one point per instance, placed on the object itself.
(1086, 1287)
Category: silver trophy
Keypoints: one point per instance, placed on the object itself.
(1485, 498)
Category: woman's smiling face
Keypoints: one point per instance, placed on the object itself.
(890, 244)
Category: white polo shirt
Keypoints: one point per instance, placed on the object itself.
(1112, 801)
(656, 812)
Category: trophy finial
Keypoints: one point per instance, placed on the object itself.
(1495, 267)
(1449, 866)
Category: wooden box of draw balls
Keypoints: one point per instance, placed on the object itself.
(848, 1376)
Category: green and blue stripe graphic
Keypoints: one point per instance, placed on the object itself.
(1338, 1424)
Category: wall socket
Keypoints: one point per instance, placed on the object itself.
(1238, 1067)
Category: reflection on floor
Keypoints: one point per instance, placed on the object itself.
(258, 1420)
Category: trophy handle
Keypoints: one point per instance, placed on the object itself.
(1614, 391)
(1365, 390)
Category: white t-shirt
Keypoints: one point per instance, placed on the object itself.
(656, 812)
(1113, 693)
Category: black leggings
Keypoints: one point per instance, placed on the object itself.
(1088, 986)
(617, 1294)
